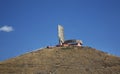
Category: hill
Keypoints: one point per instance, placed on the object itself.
(62, 60)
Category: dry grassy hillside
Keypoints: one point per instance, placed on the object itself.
(62, 60)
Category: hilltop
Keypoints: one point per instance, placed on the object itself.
(62, 60)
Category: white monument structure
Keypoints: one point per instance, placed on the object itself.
(62, 42)
(60, 34)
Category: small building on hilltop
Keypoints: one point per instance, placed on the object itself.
(72, 42)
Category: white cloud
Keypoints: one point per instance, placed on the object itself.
(6, 28)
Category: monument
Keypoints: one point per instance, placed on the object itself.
(71, 42)
(60, 34)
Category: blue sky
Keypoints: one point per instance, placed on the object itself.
(27, 25)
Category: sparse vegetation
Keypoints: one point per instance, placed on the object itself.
(62, 60)
(67, 48)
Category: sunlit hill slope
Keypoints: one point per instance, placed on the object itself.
(62, 60)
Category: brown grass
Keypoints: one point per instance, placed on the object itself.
(62, 60)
